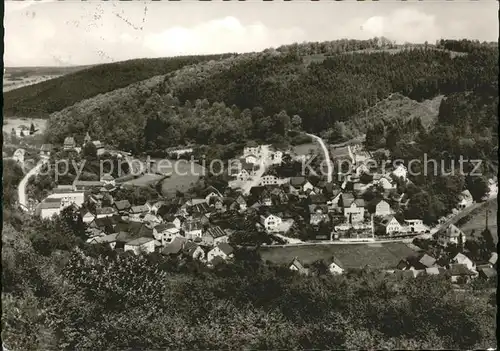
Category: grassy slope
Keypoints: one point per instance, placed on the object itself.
(378, 255)
(394, 106)
(39, 100)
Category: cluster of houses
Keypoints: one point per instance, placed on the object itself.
(460, 269)
(71, 145)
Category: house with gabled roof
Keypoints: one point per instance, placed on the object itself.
(69, 143)
(422, 261)
(335, 266)
(465, 199)
(46, 149)
(382, 208)
(271, 222)
(193, 250)
(140, 245)
(192, 229)
(355, 211)
(299, 185)
(460, 274)
(211, 191)
(109, 239)
(222, 250)
(214, 236)
(460, 258)
(297, 266)
(165, 232)
(137, 213)
(452, 234)
(240, 200)
(175, 247)
(122, 206)
(487, 273)
(393, 226)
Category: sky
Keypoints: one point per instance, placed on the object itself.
(53, 33)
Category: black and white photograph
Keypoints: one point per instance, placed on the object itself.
(250, 175)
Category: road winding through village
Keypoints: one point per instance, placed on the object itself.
(329, 164)
(21, 190)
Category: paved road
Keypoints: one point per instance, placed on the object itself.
(327, 156)
(21, 190)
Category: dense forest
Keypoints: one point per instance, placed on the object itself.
(40, 100)
(59, 293)
(223, 101)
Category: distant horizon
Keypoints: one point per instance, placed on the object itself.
(239, 53)
(51, 33)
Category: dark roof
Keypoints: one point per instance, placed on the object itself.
(201, 208)
(488, 272)
(122, 205)
(161, 227)
(459, 269)
(139, 241)
(215, 232)
(347, 199)
(226, 248)
(175, 246)
(297, 181)
(359, 202)
(427, 261)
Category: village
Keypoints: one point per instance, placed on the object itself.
(295, 210)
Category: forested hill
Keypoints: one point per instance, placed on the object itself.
(257, 95)
(42, 99)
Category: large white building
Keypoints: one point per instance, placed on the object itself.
(68, 196)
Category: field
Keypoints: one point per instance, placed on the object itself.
(478, 221)
(18, 77)
(180, 181)
(304, 148)
(9, 123)
(339, 152)
(376, 255)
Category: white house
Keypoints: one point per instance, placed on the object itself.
(415, 226)
(242, 202)
(460, 258)
(271, 223)
(251, 159)
(383, 208)
(253, 151)
(192, 229)
(106, 239)
(243, 175)
(333, 203)
(355, 212)
(140, 245)
(276, 157)
(393, 226)
(465, 199)
(19, 155)
(165, 232)
(400, 171)
(362, 168)
(223, 250)
(49, 208)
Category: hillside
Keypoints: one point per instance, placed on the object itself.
(393, 107)
(40, 100)
(270, 88)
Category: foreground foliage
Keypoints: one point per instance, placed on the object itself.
(92, 298)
